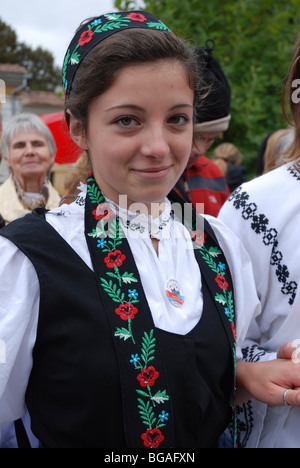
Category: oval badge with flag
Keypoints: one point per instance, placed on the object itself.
(174, 293)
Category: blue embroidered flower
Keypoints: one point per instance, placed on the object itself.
(96, 22)
(134, 359)
(227, 313)
(221, 266)
(101, 243)
(163, 416)
(132, 293)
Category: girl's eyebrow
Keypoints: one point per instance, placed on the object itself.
(135, 107)
(125, 106)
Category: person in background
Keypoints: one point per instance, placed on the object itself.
(4, 172)
(28, 149)
(228, 158)
(202, 181)
(273, 148)
(2, 223)
(265, 215)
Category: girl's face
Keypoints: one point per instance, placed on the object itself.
(139, 134)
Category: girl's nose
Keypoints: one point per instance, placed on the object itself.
(155, 143)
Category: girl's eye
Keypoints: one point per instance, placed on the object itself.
(179, 119)
(127, 121)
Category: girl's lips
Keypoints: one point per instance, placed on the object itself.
(153, 173)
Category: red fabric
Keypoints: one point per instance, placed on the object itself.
(67, 151)
(207, 185)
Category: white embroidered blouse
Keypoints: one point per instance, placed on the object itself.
(265, 215)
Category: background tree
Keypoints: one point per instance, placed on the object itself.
(254, 41)
(39, 62)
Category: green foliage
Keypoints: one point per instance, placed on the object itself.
(39, 62)
(254, 41)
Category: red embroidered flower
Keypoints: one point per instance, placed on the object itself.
(126, 311)
(152, 438)
(148, 376)
(199, 237)
(137, 17)
(102, 211)
(222, 283)
(115, 258)
(233, 330)
(85, 37)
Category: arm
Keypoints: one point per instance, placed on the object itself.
(19, 305)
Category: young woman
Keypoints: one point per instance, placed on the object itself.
(118, 310)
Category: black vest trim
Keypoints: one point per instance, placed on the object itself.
(148, 417)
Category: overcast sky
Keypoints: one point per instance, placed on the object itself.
(52, 23)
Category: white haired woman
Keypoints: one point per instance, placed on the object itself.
(28, 148)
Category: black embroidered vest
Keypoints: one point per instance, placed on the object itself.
(74, 394)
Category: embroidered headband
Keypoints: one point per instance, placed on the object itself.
(98, 29)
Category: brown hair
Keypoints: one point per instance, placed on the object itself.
(277, 149)
(226, 153)
(290, 106)
(134, 46)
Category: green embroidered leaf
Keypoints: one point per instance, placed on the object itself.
(128, 278)
(148, 347)
(146, 412)
(122, 333)
(75, 58)
(112, 290)
(212, 265)
(95, 194)
(158, 25)
(64, 71)
(220, 298)
(230, 306)
(160, 396)
(98, 233)
(113, 16)
(160, 425)
(230, 301)
(142, 393)
(111, 26)
(112, 275)
(214, 251)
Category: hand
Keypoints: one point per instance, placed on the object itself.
(267, 381)
(286, 351)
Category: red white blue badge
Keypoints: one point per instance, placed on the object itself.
(174, 293)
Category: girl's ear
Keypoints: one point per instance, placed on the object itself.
(77, 132)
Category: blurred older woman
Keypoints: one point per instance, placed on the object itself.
(28, 149)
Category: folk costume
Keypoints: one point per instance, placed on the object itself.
(111, 366)
(266, 219)
(110, 344)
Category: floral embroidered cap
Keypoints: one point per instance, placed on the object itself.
(98, 29)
